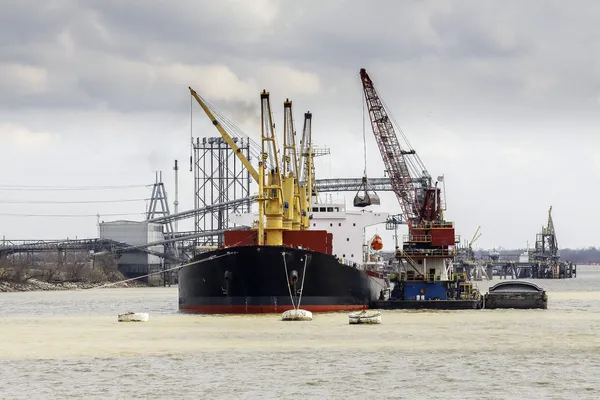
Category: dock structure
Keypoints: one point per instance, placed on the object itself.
(541, 262)
(533, 270)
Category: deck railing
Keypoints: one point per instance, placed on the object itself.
(431, 277)
(425, 253)
(434, 225)
(416, 238)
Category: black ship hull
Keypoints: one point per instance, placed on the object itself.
(254, 279)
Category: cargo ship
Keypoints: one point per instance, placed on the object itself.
(295, 252)
(324, 266)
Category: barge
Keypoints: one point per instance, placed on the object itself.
(516, 294)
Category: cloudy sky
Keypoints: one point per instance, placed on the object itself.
(503, 98)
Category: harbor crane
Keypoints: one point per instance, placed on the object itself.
(426, 248)
(419, 198)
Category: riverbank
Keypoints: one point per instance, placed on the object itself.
(35, 285)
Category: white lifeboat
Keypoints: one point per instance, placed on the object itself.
(134, 317)
(365, 317)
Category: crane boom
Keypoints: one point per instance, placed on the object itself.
(271, 197)
(305, 144)
(290, 156)
(225, 135)
(392, 153)
(290, 169)
(305, 177)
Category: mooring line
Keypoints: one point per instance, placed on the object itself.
(287, 278)
(303, 275)
(161, 272)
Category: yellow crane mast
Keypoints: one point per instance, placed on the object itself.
(282, 203)
(272, 192)
(305, 174)
(291, 187)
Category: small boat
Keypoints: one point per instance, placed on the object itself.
(296, 315)
(134, 317)
(365, 317)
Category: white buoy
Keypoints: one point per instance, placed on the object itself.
(296, 315)
(365, 317)
(134, 317)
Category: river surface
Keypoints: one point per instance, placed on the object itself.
(69, 345)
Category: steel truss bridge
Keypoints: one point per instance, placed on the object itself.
(185, 240)
(100, 246)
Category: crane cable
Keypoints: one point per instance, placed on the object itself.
(364, 131)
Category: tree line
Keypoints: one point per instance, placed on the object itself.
(75, 267)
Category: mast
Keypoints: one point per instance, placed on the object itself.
(291, 184)
(272, 192)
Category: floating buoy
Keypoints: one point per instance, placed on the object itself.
(365, 317)
(296, 315)
(134, 317)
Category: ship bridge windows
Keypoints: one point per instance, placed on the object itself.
(326, 209)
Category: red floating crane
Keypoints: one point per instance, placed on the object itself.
(428, 243)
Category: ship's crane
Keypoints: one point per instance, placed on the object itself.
(282, 204)
(292, 216)
(272, 201)
(305, 170)
(419, 199)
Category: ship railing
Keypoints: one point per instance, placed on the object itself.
(433, 225)
(438, 277)
(469, 291)
(432, 277)
(416, 238)
(347, 262)
(425, 253)
(462, 276)
(421, 278)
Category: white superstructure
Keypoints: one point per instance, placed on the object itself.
(346, 226)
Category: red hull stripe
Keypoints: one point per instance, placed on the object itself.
(243, 309)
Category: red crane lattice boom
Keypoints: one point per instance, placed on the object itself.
(420, 201)
(392, 153)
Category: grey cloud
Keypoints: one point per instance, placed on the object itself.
(345, 35)
(473, 84)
